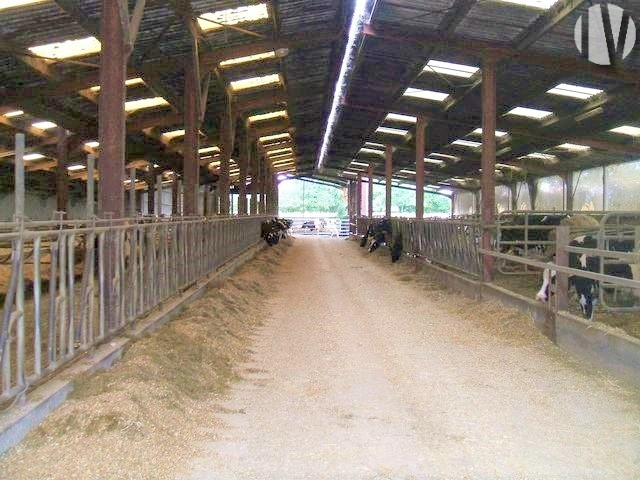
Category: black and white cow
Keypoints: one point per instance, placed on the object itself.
(275, 230)
(587, 289)
(377, 234)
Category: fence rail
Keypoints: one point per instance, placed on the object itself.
(57, 300)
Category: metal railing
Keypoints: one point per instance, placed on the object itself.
(563, 271)
(452, 243)
(530, 238)
(71, 285)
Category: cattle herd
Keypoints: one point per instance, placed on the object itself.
(275, 230)
(379, 233)
(534, 236)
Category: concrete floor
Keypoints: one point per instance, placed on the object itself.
(362, 374)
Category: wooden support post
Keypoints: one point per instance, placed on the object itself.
(421, 124)
(191, 165)
(111, 114)
(62, 175)
(370, 191)
(488, 181)
(243, 163)
(563, 235)
(388, 172)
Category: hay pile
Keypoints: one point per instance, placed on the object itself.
(503, 323)
(144, 417)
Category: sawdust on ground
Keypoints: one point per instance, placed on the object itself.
(143, 417)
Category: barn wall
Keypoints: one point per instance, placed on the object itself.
(38, 207)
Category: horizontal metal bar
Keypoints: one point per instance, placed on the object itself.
(624, 282)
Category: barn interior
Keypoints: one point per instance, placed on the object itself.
(142, 144)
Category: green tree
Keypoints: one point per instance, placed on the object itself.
(300, 196)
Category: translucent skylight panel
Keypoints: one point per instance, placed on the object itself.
(32, 156)
(574, 91)
(408, 172)
(499, 133)
(530, 113)
(392, 131)
(372, 150)
(15, 113)
(426, 94)
(234, 16)
(248, 59)
(572, 147)
(75, 168)
(6, 4)
(349, 173)
(280, 150)
(453, 69)
(129, 83)
(44, 125)
(627, 130)
(374, 145)
(396, 117)
(542, 4)
(168, 136)
(68, 48)
(277, 136)
(434, 161)
(92, 144)
(540, 156)
(359, 164)
(255, 82)
(467, 143)
(133, 105)
(213, 148)
(268, 116)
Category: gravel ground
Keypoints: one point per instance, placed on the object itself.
(366, 370)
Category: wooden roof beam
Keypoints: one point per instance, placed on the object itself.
(546, 22)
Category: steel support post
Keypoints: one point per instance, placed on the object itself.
(111, 133)
(421, 125)
(91, 182)
(175, 194)
(488, 180)
(191, 166)
(388, 172)
(359, 196)
(370, 191)
(111, 114)
(255, 158)
(62, 175)
(132, 192)
(243, 163)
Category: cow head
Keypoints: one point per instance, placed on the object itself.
(585, 289)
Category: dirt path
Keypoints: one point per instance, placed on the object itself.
(363, 372)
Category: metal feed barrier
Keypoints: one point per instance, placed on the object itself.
(452, 243)
(56, 301)
(456, 244)
(528, 244)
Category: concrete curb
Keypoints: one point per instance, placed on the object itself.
(16, 423)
